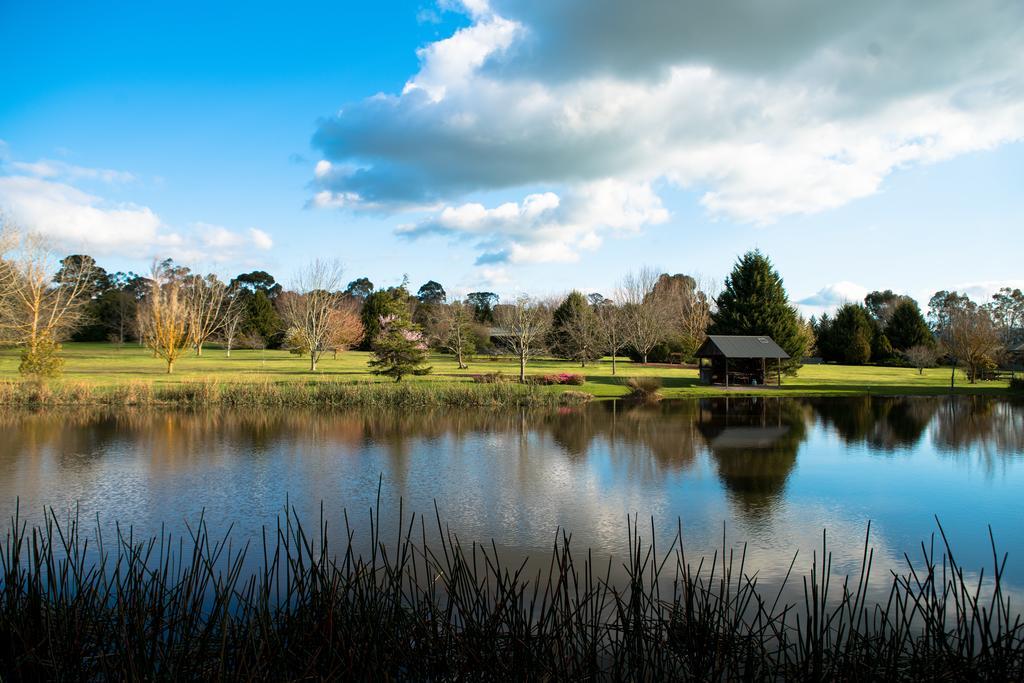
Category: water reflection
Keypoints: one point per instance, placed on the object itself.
(754, 444)
(775, 470)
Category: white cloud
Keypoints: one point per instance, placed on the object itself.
(544, 228)
(767, 110)
(77, 220)
(830, 297)
(51, 169)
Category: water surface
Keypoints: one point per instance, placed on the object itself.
(772, 473)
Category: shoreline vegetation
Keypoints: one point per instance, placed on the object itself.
(76, 605)
(104, 374)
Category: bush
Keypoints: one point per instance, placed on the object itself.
(644, 389)
(1017, 383)
(490, 378)
(559, 378)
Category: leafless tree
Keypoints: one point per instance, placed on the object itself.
(454, 331)
(523, 325)
(643, 313)
(310, 306)
(611, 328)
(921, 356)
(164, 315)
(36, 313)
(231, 320)
(346, 328)
(972, 340)
(204, 297)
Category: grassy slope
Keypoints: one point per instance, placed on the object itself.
(105, 365)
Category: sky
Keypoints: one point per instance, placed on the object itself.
(525, 146)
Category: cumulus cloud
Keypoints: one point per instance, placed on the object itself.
(43, 199)
(767, 110)
(544, 228)
(830, 297)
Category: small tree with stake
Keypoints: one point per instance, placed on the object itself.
(399, 349)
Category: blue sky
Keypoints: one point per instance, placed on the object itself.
(515, 147)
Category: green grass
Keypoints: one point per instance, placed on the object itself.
(106, 366)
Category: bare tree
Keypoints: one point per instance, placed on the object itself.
(454, 331)
(232, 319)
(164, 315)
(972, 339)
(611, 328)
(204, 297)
(346, 329)
(37, 313)
(523, 325)
(643, 315)
(310, 306)
(921, 356)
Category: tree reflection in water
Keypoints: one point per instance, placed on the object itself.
(753, 443)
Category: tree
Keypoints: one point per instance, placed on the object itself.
(36, 312)
(1007, 311)
(907, 327)
(642, 315)
(399, 349)
(204, 297)
(164, 315)
(971, 339)
(523, 327)
(686, 309)
(346, 329)
(383, 303)
(880, 306)
(431, 293)
(754, 302)
(233, 319)
(483, 304)
(309, 307)
(360, 289)
(455, 331)
(852, 327)
(610, 328)
(256, 281)
(573, 332)
(942, 306)
(921, 356)
(262, 319)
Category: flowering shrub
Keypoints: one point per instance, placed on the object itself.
(560, 378)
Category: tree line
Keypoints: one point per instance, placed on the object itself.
(648, 317)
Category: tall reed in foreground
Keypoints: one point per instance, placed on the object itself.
(171, 608)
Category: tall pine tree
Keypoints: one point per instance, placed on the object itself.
(754, 302)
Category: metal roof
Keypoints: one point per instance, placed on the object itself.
(740, 346)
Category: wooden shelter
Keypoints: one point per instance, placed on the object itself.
(739, 360)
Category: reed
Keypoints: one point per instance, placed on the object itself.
(644, 389)
(169, 608)
(327, 393)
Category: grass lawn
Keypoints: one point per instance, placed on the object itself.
(106, 365)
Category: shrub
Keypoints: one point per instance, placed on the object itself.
(490, 378)
(558, 378)
(571, 398)
(1017, 383)
(644, 388)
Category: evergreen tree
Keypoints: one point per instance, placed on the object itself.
(399, 349)
(754, 302)
(852, 334)
(907, 327)
(573, 330)
(262, 319)
(392, 302)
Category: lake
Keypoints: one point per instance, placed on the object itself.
(766, 472)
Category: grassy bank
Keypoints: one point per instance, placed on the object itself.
(194, 609)
(266, 394)
(106, 368)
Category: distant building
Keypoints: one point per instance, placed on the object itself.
(733, 360)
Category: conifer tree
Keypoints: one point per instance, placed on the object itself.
(754, 302)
